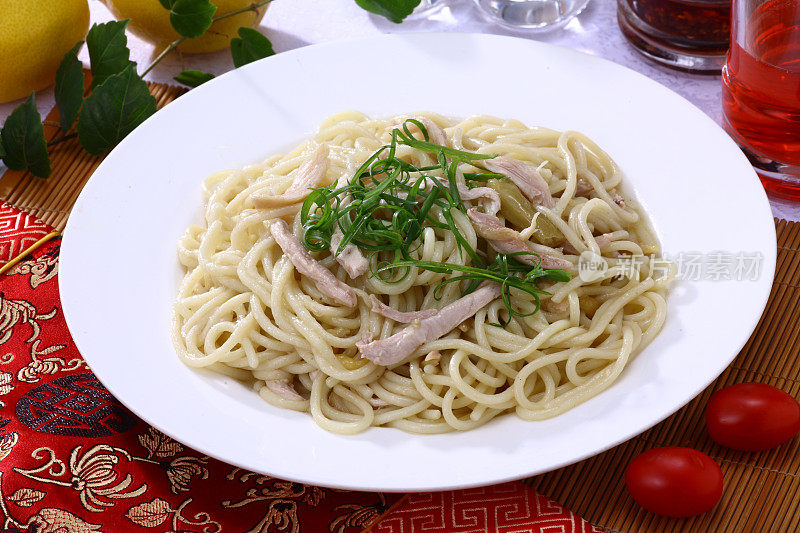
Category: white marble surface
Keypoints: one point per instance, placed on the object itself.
(295, 23)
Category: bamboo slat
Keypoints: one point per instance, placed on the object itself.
(52, 199)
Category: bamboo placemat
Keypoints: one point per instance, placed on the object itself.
(52, 199)
(762, 490)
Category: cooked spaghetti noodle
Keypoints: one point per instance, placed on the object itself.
(246, 310)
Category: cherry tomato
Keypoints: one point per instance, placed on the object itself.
(675, 482)
(752, 417)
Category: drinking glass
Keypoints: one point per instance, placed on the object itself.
(685, 34)
(532, 15)
(427, 8)
(761, 90)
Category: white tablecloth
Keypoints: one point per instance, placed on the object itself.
(294, 23)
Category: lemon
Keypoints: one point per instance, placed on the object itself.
(150, 21)
(34, 36)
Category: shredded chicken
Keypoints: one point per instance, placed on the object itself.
(558, 308)
(399, 316)
(619, 200)
(527, 179)
(394, 349)
(583, 187)
(493, 204)
(309, 175)
(325, 281)
(433, 357)
(436, 134)
(377, 402)
(492, 228)
(602, 242)
(465, 193)
(351, 258)
(508, 241)
(549, 261)
(283, 388)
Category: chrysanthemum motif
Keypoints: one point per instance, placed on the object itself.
(13, 312)
(283, 515)
(158, 445)
(41, 269)
(7, 443)
(30, 373)
(357, 515)
(52, 520)
(180, 472)
(94, 476)
(42, 364)
(313, 495)
(6, 382)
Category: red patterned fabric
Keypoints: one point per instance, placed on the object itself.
(18, 230)
(73, 459)
(505, 508)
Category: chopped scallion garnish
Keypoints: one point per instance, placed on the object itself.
(388, 203)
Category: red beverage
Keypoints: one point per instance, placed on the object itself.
(686, 34)
(761, 91)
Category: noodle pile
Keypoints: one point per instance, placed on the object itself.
(244, 310)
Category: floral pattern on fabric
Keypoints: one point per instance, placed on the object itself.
(73, 459)
(504, 508)
(18, 231)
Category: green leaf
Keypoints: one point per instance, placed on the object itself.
(190, 18)
(193, 78)
(113, 110)
(22, 140)
(394, 10)
(108, 50)
(250, 46)
(69, 87)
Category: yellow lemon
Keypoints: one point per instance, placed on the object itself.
(34, 36)
(150, 21)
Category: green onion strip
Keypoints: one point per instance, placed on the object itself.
(390, 206)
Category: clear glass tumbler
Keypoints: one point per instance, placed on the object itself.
(531, 15)
(761, 90)
(426, 8)
(685, 34)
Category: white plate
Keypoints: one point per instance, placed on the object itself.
(119, 272)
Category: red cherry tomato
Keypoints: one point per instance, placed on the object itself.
(752, 417)
(675, 482)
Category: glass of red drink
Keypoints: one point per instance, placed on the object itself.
(685, 34)
(761, 90)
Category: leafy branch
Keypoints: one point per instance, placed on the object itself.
(119, 100)
(394, 10)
